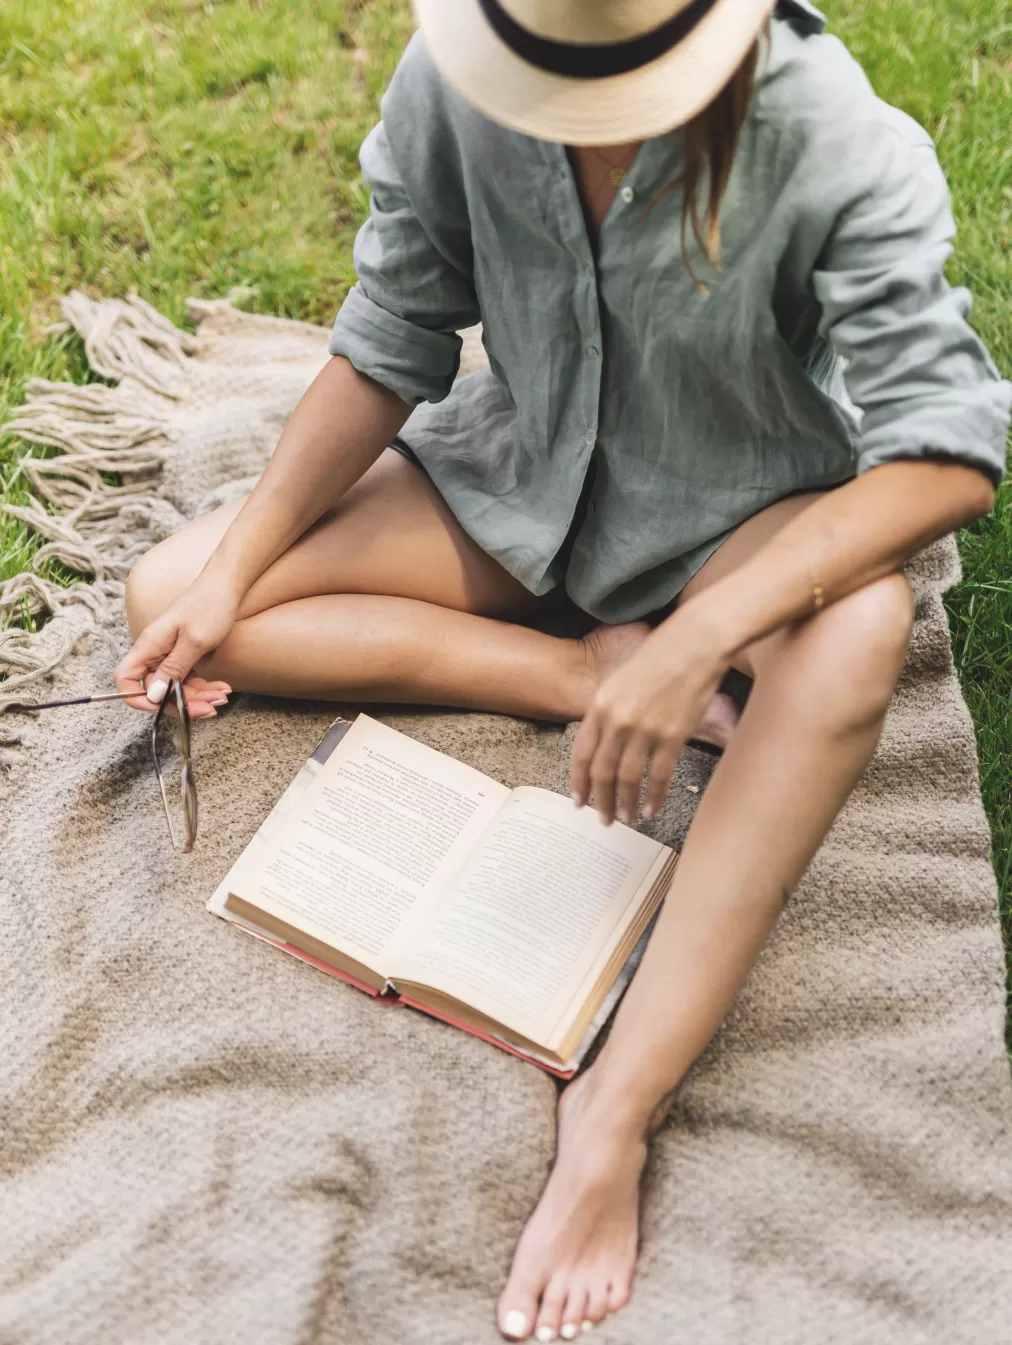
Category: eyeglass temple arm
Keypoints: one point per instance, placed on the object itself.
(22, 708)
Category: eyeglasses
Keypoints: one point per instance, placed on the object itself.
(169, 734)
(178, 733)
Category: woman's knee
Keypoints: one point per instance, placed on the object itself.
(839, 669)
(152, 585)
(859, 645)
(876, 620)
(162, 573)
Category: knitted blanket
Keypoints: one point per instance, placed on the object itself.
(204, 1141)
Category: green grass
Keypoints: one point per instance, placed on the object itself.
(181, 148)
(176, 148)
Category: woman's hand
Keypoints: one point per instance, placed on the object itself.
(642, 715)
(169, 648)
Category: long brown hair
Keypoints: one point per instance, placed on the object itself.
(711, 141)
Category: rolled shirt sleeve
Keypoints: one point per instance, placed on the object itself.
(922, 379)
(399, 323)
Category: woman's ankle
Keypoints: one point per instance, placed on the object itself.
(591, 659)
(609, 1109)
(625, 1096)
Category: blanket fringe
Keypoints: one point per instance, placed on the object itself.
(90, 525)
(128, 337)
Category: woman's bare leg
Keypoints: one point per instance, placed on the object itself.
(810, 727)
(388, 599)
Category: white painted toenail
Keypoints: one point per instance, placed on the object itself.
(545, 1334)
(569, 1331)
(515, 1325)
(587, 1325)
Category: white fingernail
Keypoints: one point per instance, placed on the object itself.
(545, 1334)
(624, 816)
(569, 1331)
(515, 1325)
(648, 812)
(156, 692)
(577, 800)
(223, 701)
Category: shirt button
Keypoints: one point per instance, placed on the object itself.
(628, 195)
(593, 352)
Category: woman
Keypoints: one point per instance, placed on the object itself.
(677, 223)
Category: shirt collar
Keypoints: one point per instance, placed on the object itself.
(803, 12)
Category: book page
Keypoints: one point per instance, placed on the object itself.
(234, 880)
(547, 892)
(385, 821)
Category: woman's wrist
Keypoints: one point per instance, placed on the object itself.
(226, 577)
(706, 627)
(246, 550)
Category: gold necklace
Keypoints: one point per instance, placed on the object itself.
(616, 173)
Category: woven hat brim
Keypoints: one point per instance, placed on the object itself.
(635, 106)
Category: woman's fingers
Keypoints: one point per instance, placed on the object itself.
(204, 697)
(604, 770)
(175, 666)
(164, 649)
(600, 745)
(662, 768)
(639, 719)
(195, 684)
(617, 773)
(631, 766)
(584, 747)
(150, 647)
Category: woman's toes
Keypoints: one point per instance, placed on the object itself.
(517, 1313)
(596, 1306)
(515, 1323)
(618, 1292)
(575, 1312)
(553, 1300)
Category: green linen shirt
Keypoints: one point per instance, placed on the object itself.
(628, 420)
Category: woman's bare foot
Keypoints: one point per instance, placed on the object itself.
(606, 647)
(719, 721)
(575, 1260)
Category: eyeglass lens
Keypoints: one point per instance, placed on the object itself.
(170, 746)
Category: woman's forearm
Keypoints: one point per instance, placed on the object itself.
(848, 538)
(338, 430)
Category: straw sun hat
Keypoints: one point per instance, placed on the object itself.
(590, 72)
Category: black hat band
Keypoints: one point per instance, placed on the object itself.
(580, 60)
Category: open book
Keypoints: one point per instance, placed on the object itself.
(510, 913)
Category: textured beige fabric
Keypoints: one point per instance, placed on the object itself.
(204, 1141)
